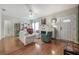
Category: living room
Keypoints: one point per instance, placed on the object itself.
(37, 29)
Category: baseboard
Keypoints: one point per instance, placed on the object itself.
(6, 37)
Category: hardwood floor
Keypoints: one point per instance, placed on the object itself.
(56, 47)
(41, 49)
(11, 44)
(1, 47)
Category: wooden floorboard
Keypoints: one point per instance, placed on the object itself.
(12, 46)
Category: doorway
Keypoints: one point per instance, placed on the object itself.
(6, 28)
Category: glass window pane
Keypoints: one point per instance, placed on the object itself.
(36, 26)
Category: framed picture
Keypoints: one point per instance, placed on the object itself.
(43, 21)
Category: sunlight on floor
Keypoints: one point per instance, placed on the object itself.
(37, 45)
(53, 52)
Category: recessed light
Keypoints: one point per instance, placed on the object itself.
(3, 9)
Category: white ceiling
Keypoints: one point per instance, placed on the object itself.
(39, 10)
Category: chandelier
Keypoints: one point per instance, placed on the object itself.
(30, 13)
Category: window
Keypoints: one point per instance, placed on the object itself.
(67, 20)
(35, 26)
(54, 22)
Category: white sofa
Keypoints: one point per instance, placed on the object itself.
(26, 38)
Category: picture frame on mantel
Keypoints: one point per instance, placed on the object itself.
(43, 21)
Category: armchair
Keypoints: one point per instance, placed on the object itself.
(46, 37)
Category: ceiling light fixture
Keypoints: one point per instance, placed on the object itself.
(30, 13)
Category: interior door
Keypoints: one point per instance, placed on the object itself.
(68, 28)
(65, 29)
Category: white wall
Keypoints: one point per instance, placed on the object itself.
(8, 28)
(1, 35)
(0, 24)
